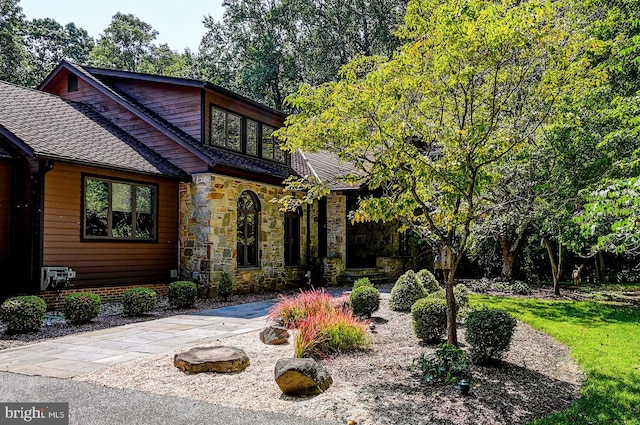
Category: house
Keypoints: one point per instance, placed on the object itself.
(136, 179)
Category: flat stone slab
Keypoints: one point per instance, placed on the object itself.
(298, 377)
(218, 359)
(274, 335)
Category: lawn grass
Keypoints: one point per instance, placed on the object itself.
(603, 339)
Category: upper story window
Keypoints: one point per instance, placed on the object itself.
(118, 210)
(244, 135)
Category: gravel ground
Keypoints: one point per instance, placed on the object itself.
(376, 386)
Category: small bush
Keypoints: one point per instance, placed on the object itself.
(448, 364)
(520, 288)
(428, 281)
(81, 307)
(365, 300)
(363, 281)
(460, 295)
(23, 314)
(406, 291)
(429, 319)
(225, 286)
(138, 301)
(489, 332)
(289, 311)
(182, 294)
(324, 332)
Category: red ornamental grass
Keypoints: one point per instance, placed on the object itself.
(291, 310)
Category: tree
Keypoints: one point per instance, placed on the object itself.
(13, 55)
(430, 128)
(125, 44)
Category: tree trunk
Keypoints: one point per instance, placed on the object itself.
(600, 267)
(556, 268)
(508, 259)
(452, 331)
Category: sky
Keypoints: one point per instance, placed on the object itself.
(178, 22)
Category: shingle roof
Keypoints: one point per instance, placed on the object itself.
(326, 167)
(215, 156)
(54, 128)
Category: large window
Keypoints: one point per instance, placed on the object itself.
(244, 135)
(119, 210)
(248, 208)
(292, 238)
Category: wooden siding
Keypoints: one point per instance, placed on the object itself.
(177, 104)
(235, 105)
(100, 263)
(5, 211)
(129, 122)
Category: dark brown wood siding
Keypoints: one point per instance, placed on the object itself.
(179, 105)
(100, 263)
(5, 212)
(239, 107)
(128, 121)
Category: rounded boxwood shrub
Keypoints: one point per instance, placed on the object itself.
(363, 281)
(429, 316)
(138, 301)
(23, 314)
(225, 286)
(364, 300)
(81, 307)
(489, 332)
(460, 294)
(428, 281)
(182, 294)
(406, 291)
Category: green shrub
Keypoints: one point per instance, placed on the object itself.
(365, 300)
(225, 286)
(520, 288)
(182, 294)
(23, 314)
(460, 295)
(406, 291)
(363, 281)
(429, 318)
(326, 332)
(489, 333)
(81, 307)
(138, 301)
(448, 364)
(428, 281)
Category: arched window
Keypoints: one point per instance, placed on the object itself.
(292, 238)
(248, 208)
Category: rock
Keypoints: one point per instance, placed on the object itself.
(301, 377)
(274, 335)
(212, 359)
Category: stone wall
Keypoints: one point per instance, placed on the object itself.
(208, 241)
(393, 266)
(336, 226)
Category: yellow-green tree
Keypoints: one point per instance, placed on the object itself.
(428, 128)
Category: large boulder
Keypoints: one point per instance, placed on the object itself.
(301, 377)
(274, 335)
(212, 359)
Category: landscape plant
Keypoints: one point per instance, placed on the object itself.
(23, 313)
(363, 281)
(364, 300)
(182, 294)
(81, 307)
(429, 319)
(428, 281)
(406, 291)
(447, 364)
(225, 286)
(138, 301)
(290, 310)
(489, 333)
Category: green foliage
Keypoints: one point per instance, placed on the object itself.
(608, 355)
(428, 281)
(429, 319)
(23, 314)
(489, 333)
(182, 294)
(460, 295)
(225, 286)
(447, 364)
(138, 301)
(363, 281)
(364, 300)
(406, 291)
(81, 307)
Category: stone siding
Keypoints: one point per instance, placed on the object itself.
(208, 235)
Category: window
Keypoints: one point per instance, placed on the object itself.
(292, 238)
(242, 134)
(226, 129)
(248, 208)
(119, 210)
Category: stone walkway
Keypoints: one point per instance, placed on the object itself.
(74, 355)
